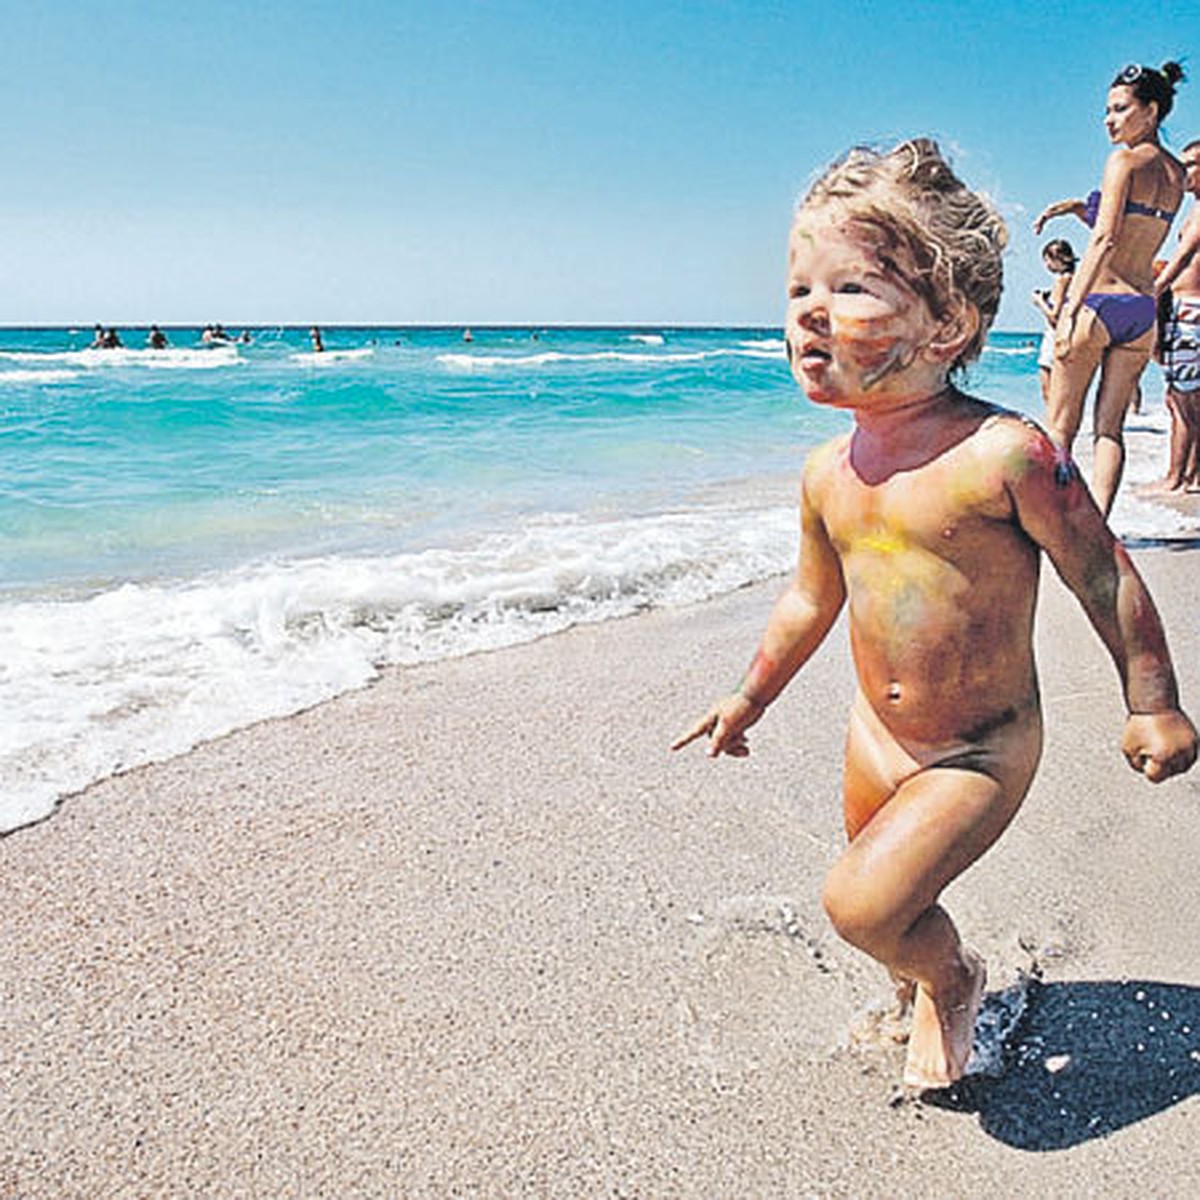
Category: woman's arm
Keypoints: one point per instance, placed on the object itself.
(1050, 303)
(1058, 294)
(1114, 191)
(1060, 208)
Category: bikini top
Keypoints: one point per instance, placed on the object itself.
(1091, 209)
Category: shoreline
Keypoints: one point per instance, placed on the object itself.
(472, 927)
(1144, 518)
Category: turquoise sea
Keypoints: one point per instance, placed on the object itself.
(195, 538)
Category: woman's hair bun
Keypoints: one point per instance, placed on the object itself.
(1151, 85)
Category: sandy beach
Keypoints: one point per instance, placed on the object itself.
(474, 931)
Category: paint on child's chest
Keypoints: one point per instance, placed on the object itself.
(894, 581)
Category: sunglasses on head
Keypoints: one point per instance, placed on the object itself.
(1131, 73)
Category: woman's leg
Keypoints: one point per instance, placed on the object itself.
(1070, 377)
(1119, 375)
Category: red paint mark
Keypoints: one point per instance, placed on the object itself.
(1041, 452)
(759, 675)
(1057, 462)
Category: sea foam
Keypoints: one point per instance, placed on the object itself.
(329, 358)
(479, 362)
(48, 375)
(143, 671)
(159, 360)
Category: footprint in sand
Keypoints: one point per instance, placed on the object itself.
(767, 982)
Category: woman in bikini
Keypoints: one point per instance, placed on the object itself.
(1108, 316)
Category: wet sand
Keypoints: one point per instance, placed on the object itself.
(474, 931)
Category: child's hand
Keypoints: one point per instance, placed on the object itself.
(1159, 744)
(725, 724)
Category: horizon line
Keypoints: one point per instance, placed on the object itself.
(82, 326)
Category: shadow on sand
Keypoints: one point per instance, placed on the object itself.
(1087, 1059)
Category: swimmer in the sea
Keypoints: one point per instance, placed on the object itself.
(215, 335)
(317, 344)
(928, 519)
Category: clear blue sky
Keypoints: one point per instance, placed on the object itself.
(537, 162)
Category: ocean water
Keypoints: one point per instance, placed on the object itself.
(197, 538)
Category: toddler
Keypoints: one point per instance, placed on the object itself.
(928, 519)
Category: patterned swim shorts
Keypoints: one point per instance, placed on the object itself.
(1181, 346)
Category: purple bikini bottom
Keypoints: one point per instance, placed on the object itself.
(1126, 315)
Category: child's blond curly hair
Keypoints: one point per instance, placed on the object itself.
(943, 239)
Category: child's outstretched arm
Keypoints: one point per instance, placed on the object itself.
(1061, 516)
(797, 625)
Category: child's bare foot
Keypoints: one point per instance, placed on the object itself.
(941, 1039)
(906, 993)
(887, 1026)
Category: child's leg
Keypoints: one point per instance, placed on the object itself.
(882, 895)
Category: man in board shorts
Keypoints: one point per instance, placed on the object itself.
(1180, 341)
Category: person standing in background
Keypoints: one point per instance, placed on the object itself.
(1108, 317)
(1178, 286)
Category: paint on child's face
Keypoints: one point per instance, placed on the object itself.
(876, 352)
(855, 329)
(881, 357)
